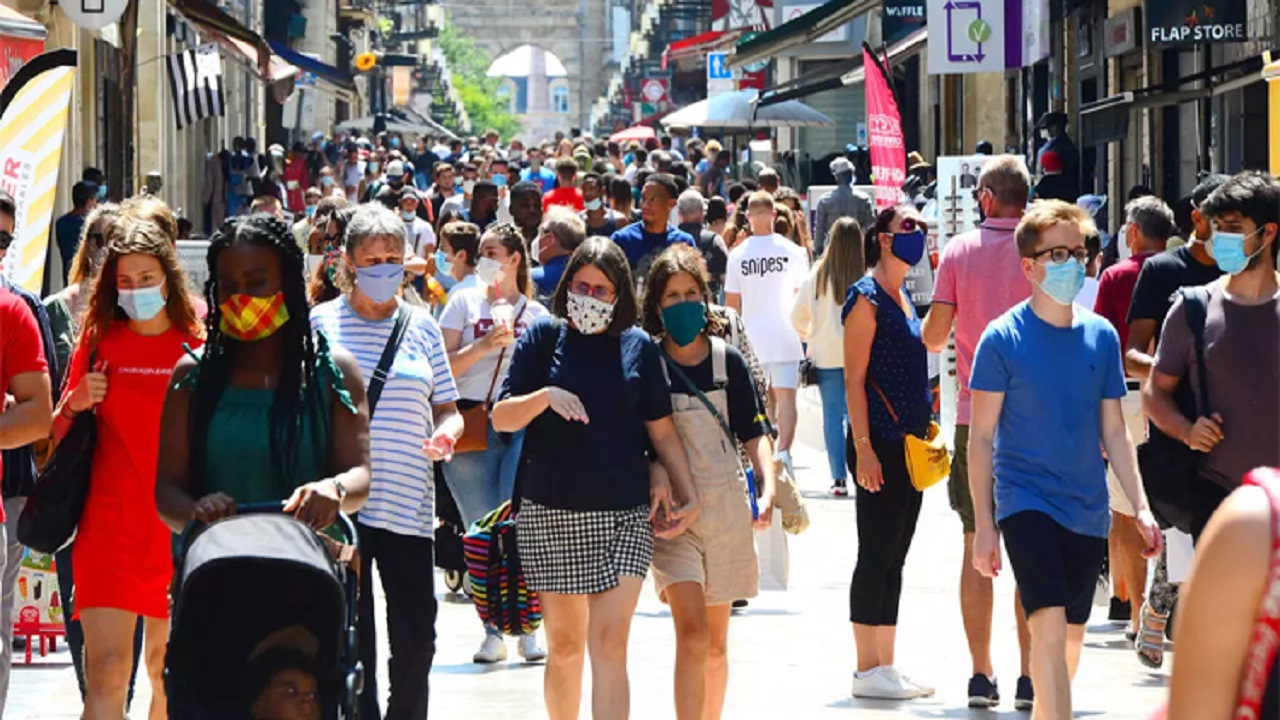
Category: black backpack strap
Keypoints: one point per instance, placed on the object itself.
(1195, 303)
(383, 370)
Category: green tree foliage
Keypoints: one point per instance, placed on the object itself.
(468, 64)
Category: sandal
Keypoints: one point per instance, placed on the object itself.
(1150, 642)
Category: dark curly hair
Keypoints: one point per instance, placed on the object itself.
(674, 260)
(298, 392)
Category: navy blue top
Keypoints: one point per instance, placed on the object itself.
(636, 242)
(547, 275)
(600, 465)
(899, 364)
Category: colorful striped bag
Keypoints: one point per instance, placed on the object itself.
(497, 581)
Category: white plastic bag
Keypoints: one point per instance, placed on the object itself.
(771, 548)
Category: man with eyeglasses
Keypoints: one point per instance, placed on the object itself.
(979, 278)
(1046, 387)
(27, 371)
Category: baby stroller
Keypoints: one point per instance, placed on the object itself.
(448, 536)
(240, 580)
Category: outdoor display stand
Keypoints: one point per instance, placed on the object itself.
(38, 612)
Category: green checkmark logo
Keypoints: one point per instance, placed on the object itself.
(979, 31)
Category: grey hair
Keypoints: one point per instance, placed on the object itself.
(1008, 178)
(1152, 217)
(568, 229)
(691, 203)
(372, 220)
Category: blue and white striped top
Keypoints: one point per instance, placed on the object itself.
(402, 495)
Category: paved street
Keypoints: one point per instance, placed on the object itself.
(791, 652)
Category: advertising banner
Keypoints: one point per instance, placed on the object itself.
(884, 133)
(1187, 22)
(33, 119)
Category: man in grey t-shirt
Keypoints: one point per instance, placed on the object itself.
(1242, 347)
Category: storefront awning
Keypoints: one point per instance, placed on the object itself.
(916, 42)
(849, 72)
(696, 47)
(809, 26)
(14, 24)
(337, 78)
(426, 127)
(237, 39)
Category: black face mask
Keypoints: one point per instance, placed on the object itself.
(397, 184)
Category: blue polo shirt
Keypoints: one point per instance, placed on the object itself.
(637, 242)
(547, 275)
(545, 177)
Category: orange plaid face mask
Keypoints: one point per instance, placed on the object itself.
(249, 319)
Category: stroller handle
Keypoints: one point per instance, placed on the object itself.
(270, 507)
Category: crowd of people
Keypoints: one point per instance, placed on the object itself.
(527, 320)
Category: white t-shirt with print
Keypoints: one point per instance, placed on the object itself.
(766, 271)
(468, 311)
(401, 496)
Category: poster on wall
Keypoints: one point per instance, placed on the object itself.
(900, 18)
(1187, 22)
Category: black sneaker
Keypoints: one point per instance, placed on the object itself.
(739, 604)
(1121, 611)
(1025, 698)
(983, 692)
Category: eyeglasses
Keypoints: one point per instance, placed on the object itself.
(599, 292)
(6, 239)
(977, 193)
(910, 225)
(1062, 254)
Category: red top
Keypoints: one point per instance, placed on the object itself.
(296, 171)
(122, 551)
(567, 196)
(20, 347)
(1115, 293)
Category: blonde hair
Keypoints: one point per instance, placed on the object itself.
(1045, 214)
(83, 267)
(842, 263)
(760, 199)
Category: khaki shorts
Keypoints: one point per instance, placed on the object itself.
(717, 552)
(958, 483)
(1131, 406)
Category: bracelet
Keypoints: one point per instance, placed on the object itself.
(859, 441)
(67, 413)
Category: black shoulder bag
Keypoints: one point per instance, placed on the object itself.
(1169, 468)
(383, 371)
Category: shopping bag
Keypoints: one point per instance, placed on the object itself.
(775, 565)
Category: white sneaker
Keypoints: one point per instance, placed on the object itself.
(921, 690)
(529, 649)
(492, 650)
(882, 683)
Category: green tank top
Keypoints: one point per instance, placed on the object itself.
(238, 456)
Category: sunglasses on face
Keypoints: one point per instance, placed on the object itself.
(599, 292)
(910, 225)
(6, 239)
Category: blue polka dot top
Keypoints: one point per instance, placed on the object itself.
(899, 365)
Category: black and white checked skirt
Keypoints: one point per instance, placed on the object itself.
(582, 552)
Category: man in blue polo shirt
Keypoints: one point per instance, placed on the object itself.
(643, 241)
(561, 233)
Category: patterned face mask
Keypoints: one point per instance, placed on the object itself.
(589, 315)
(249, 319)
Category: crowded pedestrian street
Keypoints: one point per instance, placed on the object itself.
(791, 650)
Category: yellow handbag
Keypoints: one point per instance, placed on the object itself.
(928, 461)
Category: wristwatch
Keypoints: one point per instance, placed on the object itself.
(342, 489)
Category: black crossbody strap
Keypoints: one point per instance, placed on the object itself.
(1195, 303)
(383, 370)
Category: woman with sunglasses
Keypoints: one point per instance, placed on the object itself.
(703, 571)
(588, 386)
(887, 391)
(136, 323)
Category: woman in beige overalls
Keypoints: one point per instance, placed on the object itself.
(702, 571)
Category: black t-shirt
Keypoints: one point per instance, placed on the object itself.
(602, 464)
(1160, 278)
(746, 418)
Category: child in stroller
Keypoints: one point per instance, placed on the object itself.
(280, 683)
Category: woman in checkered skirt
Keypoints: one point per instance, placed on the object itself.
(588, 388)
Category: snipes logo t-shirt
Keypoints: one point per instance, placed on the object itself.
(766, 271)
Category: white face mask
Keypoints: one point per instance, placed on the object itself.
(489, 271)
(589, 315)
(468, 186)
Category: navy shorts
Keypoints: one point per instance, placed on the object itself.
(1054, 567)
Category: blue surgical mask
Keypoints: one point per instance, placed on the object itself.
(593, 204)
(909, 247)
(408, 216)
(102, 192)
(380, 283)
(326, 180)
(1227, 249)
(142, 304)
(443, 265)
(395, 142)
(310, 210)
(1062, 281)
(500, 180)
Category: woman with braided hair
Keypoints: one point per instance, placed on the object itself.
(137, 321)
(293, 408)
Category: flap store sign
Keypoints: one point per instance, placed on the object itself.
(1188, 22)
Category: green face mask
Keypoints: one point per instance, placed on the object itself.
(685, 321)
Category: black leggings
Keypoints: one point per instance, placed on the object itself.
(886, 525)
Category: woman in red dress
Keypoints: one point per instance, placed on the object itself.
(137, 321)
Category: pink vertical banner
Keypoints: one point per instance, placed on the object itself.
(884, 133)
